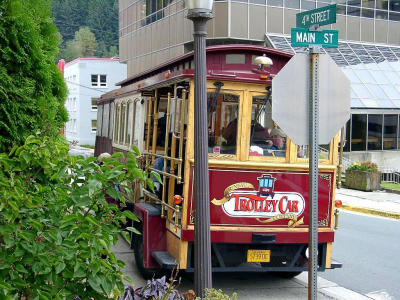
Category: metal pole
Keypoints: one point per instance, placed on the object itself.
(313, 178)
(202, 241)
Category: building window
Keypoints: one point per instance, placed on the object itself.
(99, 80)
(390, 132)
(94, 103)
(375, 132)
(358, 132)
(94, 125)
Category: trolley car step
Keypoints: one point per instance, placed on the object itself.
(165, 260)
(335, 264)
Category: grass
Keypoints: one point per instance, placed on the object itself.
(391, 185)
(87, 146)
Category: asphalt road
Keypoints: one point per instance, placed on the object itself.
(369, 248)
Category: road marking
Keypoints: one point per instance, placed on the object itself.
(371, 211)
(343, 210)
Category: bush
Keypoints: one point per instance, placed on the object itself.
(364, 166)
(56, 227)
(213, 294)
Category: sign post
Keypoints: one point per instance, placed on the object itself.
(325, 99)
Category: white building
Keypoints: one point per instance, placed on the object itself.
(87, 79)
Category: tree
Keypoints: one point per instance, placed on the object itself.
(86, 41)
(32, 90)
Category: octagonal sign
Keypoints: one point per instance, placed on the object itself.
(290, 98)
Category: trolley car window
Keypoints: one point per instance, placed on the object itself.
(130, 119)
(122, 122)
(99, 120)
(323, 152)
(117, 113)
(110, 132)
(223, 123)
(266, 138)
(105, 121)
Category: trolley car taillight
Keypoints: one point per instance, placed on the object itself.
(178, 199)
(338, 203)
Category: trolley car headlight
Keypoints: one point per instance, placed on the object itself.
(307, 253)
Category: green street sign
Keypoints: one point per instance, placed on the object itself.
(302, 37)
(320, 16)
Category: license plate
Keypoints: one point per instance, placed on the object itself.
(258, 255)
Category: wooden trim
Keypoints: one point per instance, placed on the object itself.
(259, 229)
(328, 263)
(173, 245)
(189, 151)
(238, 86)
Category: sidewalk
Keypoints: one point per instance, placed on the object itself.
(380, 203)
(252, 286)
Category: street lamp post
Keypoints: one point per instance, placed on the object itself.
(200, 13)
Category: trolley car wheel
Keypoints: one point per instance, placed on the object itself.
(137, 242)
(287, 275)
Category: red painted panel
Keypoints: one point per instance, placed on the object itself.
(236, 198)
(154, 236)
(246, 237)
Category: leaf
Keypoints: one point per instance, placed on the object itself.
(94, 282)
(126, 236)
(130, 215)
(136, 149)
(150, 183)
(157, 176)
(117, 155)
(113, 193)
(104, 244)
(92, 220)
(20, 268)
(60, 266)
(133, 229)
(94, 186)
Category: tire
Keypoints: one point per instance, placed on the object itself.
(147, 273)
(287, 275)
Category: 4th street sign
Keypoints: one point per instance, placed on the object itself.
(302, 37)
(320, 16)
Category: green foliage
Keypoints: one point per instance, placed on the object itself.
(56, 227)
(213, 294)
(363, 166)
(32, 90)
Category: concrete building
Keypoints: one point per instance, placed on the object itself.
(87, 79)
(153, 31)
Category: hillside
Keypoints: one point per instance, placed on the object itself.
(87, 27)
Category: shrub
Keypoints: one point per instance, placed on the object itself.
(56, 227)
(363, 166)
(213, 294)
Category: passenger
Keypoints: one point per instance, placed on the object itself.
(279, 141)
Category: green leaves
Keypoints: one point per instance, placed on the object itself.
(56, 227)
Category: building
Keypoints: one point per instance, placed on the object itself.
(153, 31)
(87, 79)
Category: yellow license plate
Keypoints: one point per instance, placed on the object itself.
(258, 255)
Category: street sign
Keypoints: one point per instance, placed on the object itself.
(290, 98)
(320, 16)
(302, 37)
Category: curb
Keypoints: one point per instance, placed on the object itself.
(372, 211)
(391, 191)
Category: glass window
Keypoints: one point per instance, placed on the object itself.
(394, 16)
(358, 132)
(390, 129)
(122, 122)
(381, 14)
(305, 4)
(94, 125)
(266, 138)
(94, 103)
(117, 119)
(106, 118)
(351, 75)
(353, 11)
(391, 91)
(394, 5)
(292, 3)
(375, 132)
(130, 119)
(110, 132)
(235, 59)
(346, 146)
(380, 77)
(275, 3)
(377, 91)
(365, 76)
(100, 120)
(367, 13)
(103, 80)
(361, 91)
(94, 80)
(262, 2)
(323, 152)
(222, 123)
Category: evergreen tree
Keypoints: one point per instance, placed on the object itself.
(32, 90)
